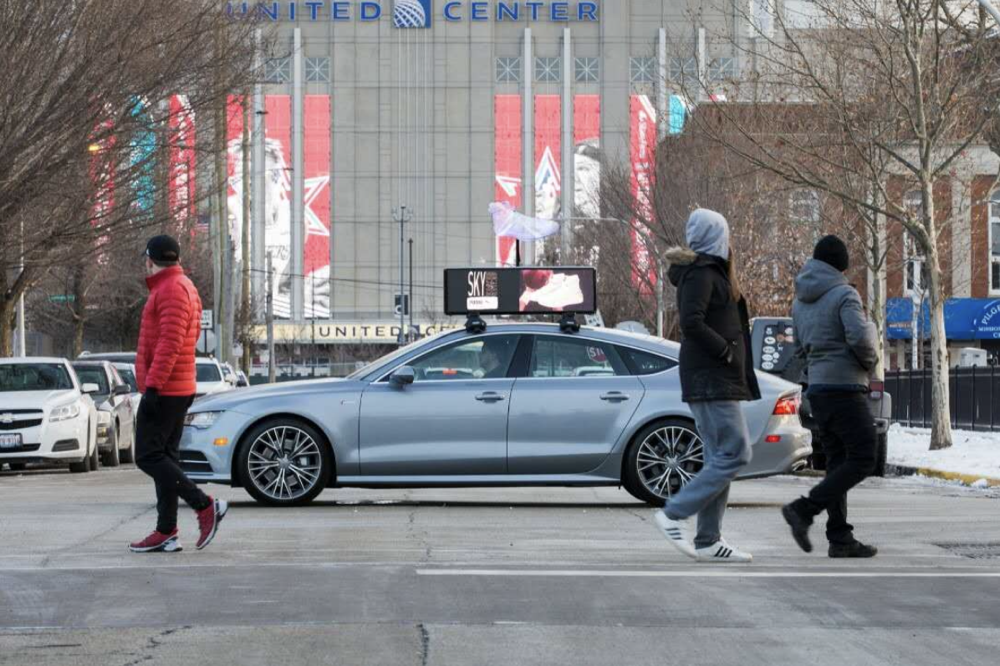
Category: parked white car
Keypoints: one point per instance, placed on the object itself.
(210, 377)
(46, 415)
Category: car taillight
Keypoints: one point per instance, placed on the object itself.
(787, 406)
(875, 390)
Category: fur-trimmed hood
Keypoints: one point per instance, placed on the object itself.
(680, 256)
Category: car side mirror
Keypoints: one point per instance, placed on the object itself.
(122, 389)
(90, 389)
(403, 376)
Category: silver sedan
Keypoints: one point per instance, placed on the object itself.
(516, 405)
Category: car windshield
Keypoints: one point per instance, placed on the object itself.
(129, 378)
(208, 372)
(34, 377)
(89, 374)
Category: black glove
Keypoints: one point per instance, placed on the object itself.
(151, 398)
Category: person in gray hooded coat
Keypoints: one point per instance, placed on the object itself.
(716, 373)
(838, 342)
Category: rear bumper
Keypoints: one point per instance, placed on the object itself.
(791, 451)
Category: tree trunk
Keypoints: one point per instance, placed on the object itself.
(940, 399)
(7, 326)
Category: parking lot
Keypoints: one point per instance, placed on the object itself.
(502, 576)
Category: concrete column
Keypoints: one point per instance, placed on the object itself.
(961, 238)
(528, 150)
(702, 63)
(257, 241)
(298, 173)
(662, 101)
(568, 148)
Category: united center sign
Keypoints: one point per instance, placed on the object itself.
(418, 13)
(346, 333)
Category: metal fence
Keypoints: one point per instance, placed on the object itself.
(975, 397)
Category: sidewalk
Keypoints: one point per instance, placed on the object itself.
(973, 459)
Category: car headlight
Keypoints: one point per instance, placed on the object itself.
(65, 412)
(202, 420)
(103, 418)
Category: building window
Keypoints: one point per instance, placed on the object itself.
(588, 70)
(548, 70)
(913, 258)
(318, 70)
(508, 70)
(643, 70)
(683, 70)
(278, 70)
(722, 69)
(994, 231)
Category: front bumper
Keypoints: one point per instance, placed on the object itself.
(62, 441)
(201, 459)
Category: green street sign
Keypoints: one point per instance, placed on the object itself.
(62, 298)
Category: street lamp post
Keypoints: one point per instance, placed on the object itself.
(402, 215)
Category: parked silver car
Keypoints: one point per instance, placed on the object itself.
(507, 407)
(115, 416)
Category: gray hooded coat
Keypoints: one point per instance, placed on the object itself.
(831, 329)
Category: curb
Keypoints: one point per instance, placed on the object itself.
(967, 479)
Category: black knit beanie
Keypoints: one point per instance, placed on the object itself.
(832, 250)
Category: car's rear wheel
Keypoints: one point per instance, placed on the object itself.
(284, 462)
(881, 453)
(113, 457)
(663, 458)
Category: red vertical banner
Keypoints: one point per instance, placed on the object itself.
(317, 206)
(182, 179)
(102, 181)
(643, 156)
(278, 198)
(508, 156)
(548, 153)
(234, 172)
(587, 155)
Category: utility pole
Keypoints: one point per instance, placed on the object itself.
(409, 295)
(271, 374)
(22, 333)
(246, 316)
(402, 215)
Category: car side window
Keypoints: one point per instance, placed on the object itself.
(488, 357)
(571, 357)
(645, 363)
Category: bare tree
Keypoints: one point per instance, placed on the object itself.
(894, 89)
(85, 119)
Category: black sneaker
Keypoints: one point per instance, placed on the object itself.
(854, 550)
(800, 528)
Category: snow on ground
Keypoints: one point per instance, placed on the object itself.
(976, 453)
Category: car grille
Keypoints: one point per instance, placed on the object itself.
(20, 411)
(17, 425)
(24, 448)
(195, 461)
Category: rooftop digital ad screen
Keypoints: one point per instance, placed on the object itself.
(526, 290)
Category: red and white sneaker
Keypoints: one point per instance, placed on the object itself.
(209, 519)
(157, 542)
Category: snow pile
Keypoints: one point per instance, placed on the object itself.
(976, 453)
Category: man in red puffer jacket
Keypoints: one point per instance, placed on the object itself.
(165, 373)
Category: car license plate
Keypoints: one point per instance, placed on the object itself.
(10, 441)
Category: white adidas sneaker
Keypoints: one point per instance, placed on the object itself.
(680, 533)
(720, 551)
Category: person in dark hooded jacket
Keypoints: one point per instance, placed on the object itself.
(838, 342)
(716, 372)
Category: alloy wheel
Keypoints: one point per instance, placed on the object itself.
(668, 459)
(284, 463)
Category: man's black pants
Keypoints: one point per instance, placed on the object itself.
(157, 438)
(848, 436)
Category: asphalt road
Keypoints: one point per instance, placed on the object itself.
(470, 577)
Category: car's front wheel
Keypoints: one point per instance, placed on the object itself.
(663, 457)
(88, 462)
(284, 462)
(113, 457)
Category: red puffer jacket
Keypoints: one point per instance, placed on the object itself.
(168, 336)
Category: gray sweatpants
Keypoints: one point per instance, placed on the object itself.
(723, 429)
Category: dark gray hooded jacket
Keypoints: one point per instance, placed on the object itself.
(831, 329)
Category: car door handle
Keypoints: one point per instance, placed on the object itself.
(614, 396)
(489, 396)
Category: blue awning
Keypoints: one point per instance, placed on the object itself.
(964, 319)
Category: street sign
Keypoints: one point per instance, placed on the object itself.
(62, 298)
(405, 305)
(207, 320)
